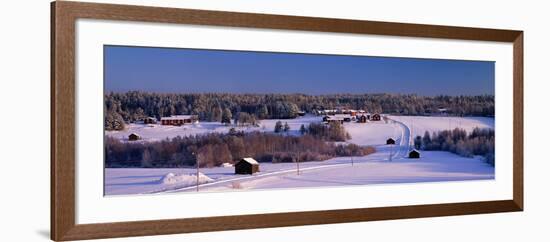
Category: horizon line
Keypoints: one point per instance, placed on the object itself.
(299, 93)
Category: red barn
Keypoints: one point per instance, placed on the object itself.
(149, 120)
(178, 120)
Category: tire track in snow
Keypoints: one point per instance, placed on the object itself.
(404, 143)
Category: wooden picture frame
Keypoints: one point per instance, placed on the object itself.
(63, 17)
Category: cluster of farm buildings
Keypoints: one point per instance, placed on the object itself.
(330, 115)
(348, 115)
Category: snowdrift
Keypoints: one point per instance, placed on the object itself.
(184, 180)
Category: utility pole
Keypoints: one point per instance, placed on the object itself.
(352, 160)
(298, 164)
(391, 151)
(197, 161)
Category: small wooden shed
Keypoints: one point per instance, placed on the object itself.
(133, 137)
(390, 141)
(150, 120)
(362, 119)
(376, 117)
(247, 166)
(414, 154)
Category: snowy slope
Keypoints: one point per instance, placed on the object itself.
(376, 133)
(421, 124)
(373, 133)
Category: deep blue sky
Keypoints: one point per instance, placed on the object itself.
(191, 71)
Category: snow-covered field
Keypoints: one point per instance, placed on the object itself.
(376, 168)
(372, 169)
(372, 133)
(434, 166)
(155, 132)
(147, 180)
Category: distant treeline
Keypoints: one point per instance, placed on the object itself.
(216, 149)
(479, 142)
(134, 105)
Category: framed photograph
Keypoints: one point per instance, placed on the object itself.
(172, 120)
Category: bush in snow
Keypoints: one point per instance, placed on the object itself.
(417, 142)
(303, 129)
(278, 127)
(286, 128)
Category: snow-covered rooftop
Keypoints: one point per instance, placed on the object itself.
(178, 117)
(335, 118)
(251, 161)
(338, 116)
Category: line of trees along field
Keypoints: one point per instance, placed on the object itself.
(216, 149)
(221, 107)
(480, 142)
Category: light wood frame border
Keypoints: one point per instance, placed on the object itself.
(63, 17)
